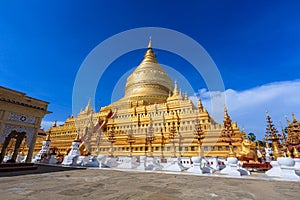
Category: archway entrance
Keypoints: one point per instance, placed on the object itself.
(18, 137)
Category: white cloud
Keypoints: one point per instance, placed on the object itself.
(47, 124)
(248, 107)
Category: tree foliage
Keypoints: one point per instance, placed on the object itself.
(251, 136)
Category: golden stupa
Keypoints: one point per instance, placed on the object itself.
(293, 140)
(153, 118)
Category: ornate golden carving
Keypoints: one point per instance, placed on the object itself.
(247, 153)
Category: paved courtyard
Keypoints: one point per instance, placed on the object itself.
(111, 184)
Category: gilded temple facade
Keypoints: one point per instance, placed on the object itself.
(153, 118)
(293, 130)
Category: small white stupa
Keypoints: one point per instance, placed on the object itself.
(196, 166)
(44, 151)
(74, 153)
(231, 168)
(175, 165)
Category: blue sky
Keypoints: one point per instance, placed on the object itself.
(255, 45)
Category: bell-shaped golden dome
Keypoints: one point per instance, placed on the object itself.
(148, 79)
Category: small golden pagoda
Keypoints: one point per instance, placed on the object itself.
(228, 133)
(293, 140)
(273, 136)
(153, 118)
(199, 135)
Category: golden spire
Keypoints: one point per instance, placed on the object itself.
(271, 135)
(180, 92)
(77, 139)
(228, 133)
(200, 106)
(88, 106)
(175, 91)
(48, 137)
(294, 118)
(226, 116)
(149, 55)
(150, 43)
(271, 131)
(288, 153)
(186, 97)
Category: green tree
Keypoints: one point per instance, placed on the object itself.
(251, 136)
(261, 143)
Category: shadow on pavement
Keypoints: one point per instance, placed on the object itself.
(40, 170)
